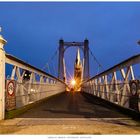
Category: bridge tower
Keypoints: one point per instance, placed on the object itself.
(63, 46)
(86, 60)
(61, 74)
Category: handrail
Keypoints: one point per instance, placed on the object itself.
(126, 63)
(12, 59)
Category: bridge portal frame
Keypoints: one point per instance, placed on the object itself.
(62, 48)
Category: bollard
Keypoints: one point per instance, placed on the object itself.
(2, 78)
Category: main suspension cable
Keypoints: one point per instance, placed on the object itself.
(97, 61)
(50, 60)
(99, 64)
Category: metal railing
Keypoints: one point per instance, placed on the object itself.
(38, 86)
(114, 84)
(18, 90)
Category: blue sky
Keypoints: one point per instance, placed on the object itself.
(33, 30)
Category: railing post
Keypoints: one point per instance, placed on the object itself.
(2, 78)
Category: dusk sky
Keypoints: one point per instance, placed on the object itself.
(33, 30)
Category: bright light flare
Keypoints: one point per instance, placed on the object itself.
(73, 82)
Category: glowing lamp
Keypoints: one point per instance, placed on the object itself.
(73, 82)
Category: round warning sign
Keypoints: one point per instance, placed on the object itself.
(134, 88)
(10, 88)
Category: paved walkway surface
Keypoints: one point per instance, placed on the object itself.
(71, 113)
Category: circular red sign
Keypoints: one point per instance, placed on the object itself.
(11, 88)
(134, 88)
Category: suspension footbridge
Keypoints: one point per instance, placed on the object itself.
(104, 103)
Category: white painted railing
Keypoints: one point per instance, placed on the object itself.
(119, 84)
(37, 86)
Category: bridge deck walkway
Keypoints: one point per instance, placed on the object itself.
(71, 113)
(72, 105)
